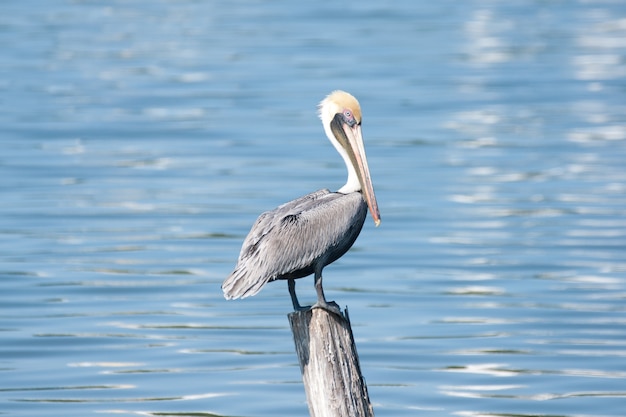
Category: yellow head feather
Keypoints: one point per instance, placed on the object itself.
(337, 102)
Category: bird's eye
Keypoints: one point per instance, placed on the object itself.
(348, 117)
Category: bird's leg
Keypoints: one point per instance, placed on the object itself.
(321, 299)
(291, 283)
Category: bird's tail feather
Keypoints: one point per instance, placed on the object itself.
(241, 285)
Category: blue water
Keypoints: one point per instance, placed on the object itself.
(140, 140)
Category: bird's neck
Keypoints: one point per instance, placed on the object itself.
(352, 184)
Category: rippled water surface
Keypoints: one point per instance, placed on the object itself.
(140, 140)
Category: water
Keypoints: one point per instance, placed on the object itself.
(140, 140)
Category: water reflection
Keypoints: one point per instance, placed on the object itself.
(599, 62)
(602, 47)
(487, 44)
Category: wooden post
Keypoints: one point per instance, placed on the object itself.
(329, 364)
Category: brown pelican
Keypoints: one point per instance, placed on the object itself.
(301, 237)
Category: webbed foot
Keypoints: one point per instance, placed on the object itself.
(331, 306)
(301, 308)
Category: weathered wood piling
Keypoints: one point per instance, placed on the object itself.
(329, 363)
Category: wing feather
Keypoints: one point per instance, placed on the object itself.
(289, 241)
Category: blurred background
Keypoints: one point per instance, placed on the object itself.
(140, 140)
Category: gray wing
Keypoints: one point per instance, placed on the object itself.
(293, 237)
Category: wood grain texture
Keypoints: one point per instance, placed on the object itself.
(329, 363)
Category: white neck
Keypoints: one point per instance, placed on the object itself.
(352, 184)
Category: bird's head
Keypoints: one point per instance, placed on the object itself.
(341, 116)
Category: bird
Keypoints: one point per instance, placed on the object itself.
(302, 236)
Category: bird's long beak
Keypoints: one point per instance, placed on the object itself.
(356, 152)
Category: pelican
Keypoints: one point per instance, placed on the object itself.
(301, 237)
